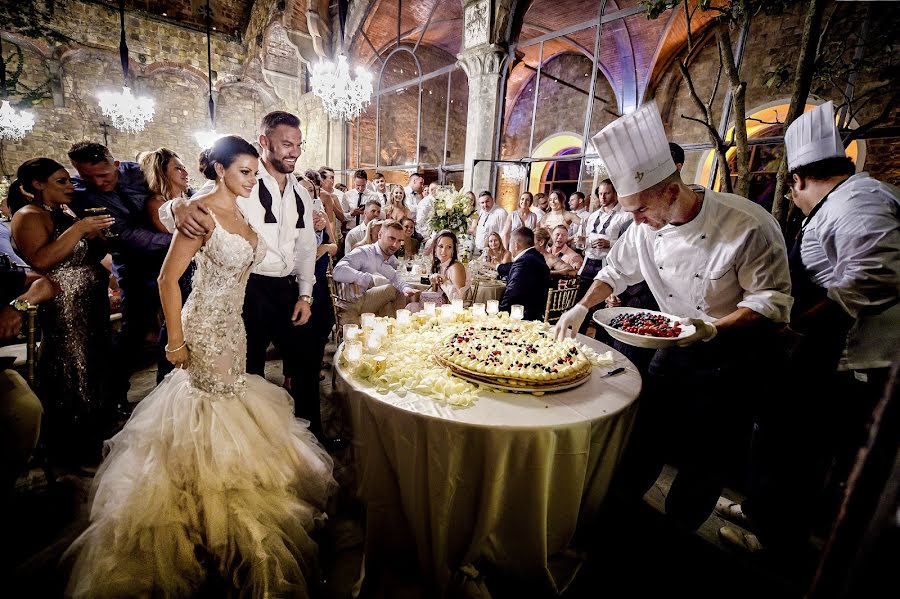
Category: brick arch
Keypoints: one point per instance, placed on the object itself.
(77, 53)
(187, 71)
(39, 47)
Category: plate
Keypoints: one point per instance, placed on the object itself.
(602, 317)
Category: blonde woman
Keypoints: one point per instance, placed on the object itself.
(372, 231)
(495, 253)
(558, 215)
(167, 178)
(396, 208)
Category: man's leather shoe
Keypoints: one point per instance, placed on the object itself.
(732, 512)
(740, 540)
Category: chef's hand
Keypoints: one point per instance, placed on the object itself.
(613, 301)
(705, 331)
(571, 321)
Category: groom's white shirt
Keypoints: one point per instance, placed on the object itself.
(289, 250)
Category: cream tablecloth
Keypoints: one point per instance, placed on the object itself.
(501, 485)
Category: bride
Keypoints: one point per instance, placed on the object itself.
(212, 475)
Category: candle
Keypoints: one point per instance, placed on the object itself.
(478, 309)
(493, 306)
(373, 341)
(517, 312)
(354, 351)
(367, 320)
(429, 308)
(381, 327)
(403, 316)
(351, 332)
(457, 306)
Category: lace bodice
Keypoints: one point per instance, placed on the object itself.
(213, 327)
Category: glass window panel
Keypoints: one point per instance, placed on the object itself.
(455, 178)
(353, 144)
(564, 90)
(400, 67)
(434, 117)
(398, 121)
(459, 108)
(366, 131)
(519, 105)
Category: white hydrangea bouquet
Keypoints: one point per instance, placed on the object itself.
(454, 212)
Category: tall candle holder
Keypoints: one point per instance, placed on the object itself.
(493, 307)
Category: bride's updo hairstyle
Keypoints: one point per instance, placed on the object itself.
(224, 152)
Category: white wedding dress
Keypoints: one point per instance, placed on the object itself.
(212, 472)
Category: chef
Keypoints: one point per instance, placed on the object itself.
(720, 261)
(845, 274)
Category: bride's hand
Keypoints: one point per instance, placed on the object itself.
(180, 358)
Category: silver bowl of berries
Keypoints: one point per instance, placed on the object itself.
(643, 328)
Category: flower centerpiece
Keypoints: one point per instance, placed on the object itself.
(454, 212)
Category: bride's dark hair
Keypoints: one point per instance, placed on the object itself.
(224, 152)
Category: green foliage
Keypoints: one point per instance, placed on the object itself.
(25, 97)
(777, 77)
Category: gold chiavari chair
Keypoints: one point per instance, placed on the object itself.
(558, 301)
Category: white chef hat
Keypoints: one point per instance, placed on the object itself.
(635, 150)
(813, 137)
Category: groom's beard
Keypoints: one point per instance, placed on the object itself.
(279, 166)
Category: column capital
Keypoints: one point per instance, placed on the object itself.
(487, 59)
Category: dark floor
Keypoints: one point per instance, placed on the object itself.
(633, 552)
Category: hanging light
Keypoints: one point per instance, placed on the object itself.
(126, 111)
(14, 124)
(344, 98)
(206, 139)
(513, 172)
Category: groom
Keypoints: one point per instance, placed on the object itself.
(278, 299)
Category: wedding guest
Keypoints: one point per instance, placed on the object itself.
(74, 354)
(541, 206)
(578, 206)
(373, 230)
(341, 187)
(395, 208)
(358, 235)
(380, 190)
(18, 199)
(424, 211)
(358, 269)
(521, 217)
(570, 260)
(332, 197)
(528, 279)
(542, 238)
(312, 182)
(355, 200)
(472, 199)
(414, 193)
(490, 218)
(411, 241)
(448, 274)
(496, 253)
(137, 248)
(167, 178)
(558, 215)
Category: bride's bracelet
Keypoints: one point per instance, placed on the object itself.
(169, 351)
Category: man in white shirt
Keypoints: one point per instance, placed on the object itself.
(359, 232)
(578, 205)
(414, 191)
(845, 271)
(424, 211)
(719, 260)
(490, 220)
(279, 291)
(601, 230)
(379, 189)
(354, 201)
(370, 277)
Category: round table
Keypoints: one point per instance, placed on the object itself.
(489, 290)
(503, 483)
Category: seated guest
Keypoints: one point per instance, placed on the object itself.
(16, 197)
(529, 277)
(359, 268)
(74, 354)
(358, 234)
(373, 229)
(495, 253)
(411, 241)
(569, 260)
(167, 178)
(137, 251)
(395, 208)
(541, 243)
(447, 273)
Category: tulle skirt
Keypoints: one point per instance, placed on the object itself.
(195, 485)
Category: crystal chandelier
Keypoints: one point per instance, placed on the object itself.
(514, 173)
(205, 139)
(344, 98)
(127, 112)
(14, 124)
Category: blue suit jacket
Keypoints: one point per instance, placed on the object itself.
(527, 284)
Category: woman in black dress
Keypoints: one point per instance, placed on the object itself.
(75, 324)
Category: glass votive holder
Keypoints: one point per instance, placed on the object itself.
(373, 341)
(351, 332)
(354, 351)
(367, 320)
(403, 316)
(493, 307)
(517, 312)
(457, 305)
(478, 309)
(381, 327)
(430, 308)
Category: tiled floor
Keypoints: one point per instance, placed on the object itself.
(634, 552)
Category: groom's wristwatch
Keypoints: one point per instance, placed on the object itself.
(306, 298)
(21, 305)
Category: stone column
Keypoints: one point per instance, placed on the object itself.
(483, 63)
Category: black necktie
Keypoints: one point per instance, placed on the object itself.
(359, 197)
(265, 198)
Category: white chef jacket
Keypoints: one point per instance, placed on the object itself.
(851, 247)
(618, 220)
(489, 222)
(731, 255)
(289, 250)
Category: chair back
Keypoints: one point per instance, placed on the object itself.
(338, 301)
(471, 294)
(558, 301)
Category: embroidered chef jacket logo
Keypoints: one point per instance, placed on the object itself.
(638, 175)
